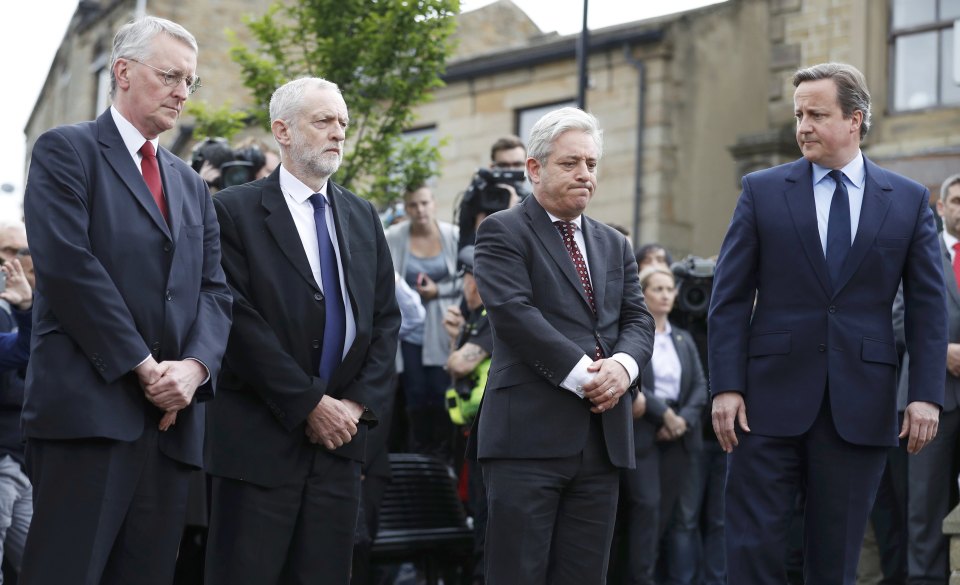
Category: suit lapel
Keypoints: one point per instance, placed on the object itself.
(550, 238)
(876, 202)
(341, 218)
(280, 224)
(598, 250)
(798, 195)
(173, 189)
(117, 155)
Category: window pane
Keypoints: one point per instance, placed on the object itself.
(916, 71)
(949, 9)
(950, 91)
(913, 12)
(529, 116)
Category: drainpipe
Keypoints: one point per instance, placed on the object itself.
(638, 161)
(141, 10)
(583, 53)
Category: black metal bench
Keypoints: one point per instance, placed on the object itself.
(421, 518)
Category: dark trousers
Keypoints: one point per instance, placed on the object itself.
(932, 493)
(105, 512)
(764, 478)
(889, 516)
(296, 534)
(550, 521)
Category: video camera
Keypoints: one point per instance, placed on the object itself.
(236, 166)
(694, 284)
(485, 195)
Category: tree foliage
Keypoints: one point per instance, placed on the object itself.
(387, 56)
(224, 122)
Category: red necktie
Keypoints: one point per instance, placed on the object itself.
(956, 263)
(567, 230)
(151, 175)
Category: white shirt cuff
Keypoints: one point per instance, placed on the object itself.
(630, 364)
(578, 376)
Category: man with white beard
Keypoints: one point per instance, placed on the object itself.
(309, 359)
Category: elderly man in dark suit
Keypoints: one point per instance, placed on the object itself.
(571, 334)
(801, 343)
(132, 314)
(310, 358)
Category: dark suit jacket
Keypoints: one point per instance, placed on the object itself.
(542, 326)
(270, 382)
(804, 332)
(690, 403)
(115, 284)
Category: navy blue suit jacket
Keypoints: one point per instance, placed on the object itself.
(804, 332)
(115, 283)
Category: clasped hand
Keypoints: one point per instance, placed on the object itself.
(333, 422)
(607, 386)
(170, 385)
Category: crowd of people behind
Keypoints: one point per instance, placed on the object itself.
(330, 340)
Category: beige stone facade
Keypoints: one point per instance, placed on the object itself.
(688, 102)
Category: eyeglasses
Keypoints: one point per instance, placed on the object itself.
(172, 78)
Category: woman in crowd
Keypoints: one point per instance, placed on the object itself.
(667, 415)
(424, 253)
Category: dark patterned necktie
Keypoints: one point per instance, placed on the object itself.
(567, 229)
(335, 321)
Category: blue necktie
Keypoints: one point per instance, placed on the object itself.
(838, 228)
(335, 322)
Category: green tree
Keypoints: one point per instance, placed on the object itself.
(387, 56)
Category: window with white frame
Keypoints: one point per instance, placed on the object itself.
(922, 35)
(527, 117)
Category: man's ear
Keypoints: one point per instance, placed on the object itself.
(121, 72)
(533, 170)
(281, 132)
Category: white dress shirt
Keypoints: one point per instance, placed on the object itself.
(132, 138)
(579, 375)
(666, 366)
(297, 196)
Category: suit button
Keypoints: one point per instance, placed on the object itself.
(832, 309)
(317, 297)
(167, 247)
(821, 348)
(316, 344)
(169, 296)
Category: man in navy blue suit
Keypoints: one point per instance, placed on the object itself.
(132, 315)
(801, 344)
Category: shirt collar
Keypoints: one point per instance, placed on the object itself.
(296, 189)
(576, 221)
(949, 240)
(854, 171)
(667, 331)
(132, 138)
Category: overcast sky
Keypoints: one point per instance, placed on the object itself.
(31, 32)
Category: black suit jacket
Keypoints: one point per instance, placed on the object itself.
(115, 283)
(690, 403)
(270, 383)
(542, 326)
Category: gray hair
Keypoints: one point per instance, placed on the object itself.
(553, 124)
(286, 101)
(852, 92)
(950, 182)
(133, 41)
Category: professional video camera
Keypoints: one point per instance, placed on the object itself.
(216, 151)
(485, 195)
(243, 168)
(694, 284)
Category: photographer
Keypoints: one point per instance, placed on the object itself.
(221, 166)
(16, 492)
(500, 187)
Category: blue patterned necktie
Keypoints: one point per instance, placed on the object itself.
(838, 228)
(335, 321)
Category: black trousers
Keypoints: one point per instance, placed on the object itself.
(300, 533)
(105, 512)
(550, 521)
